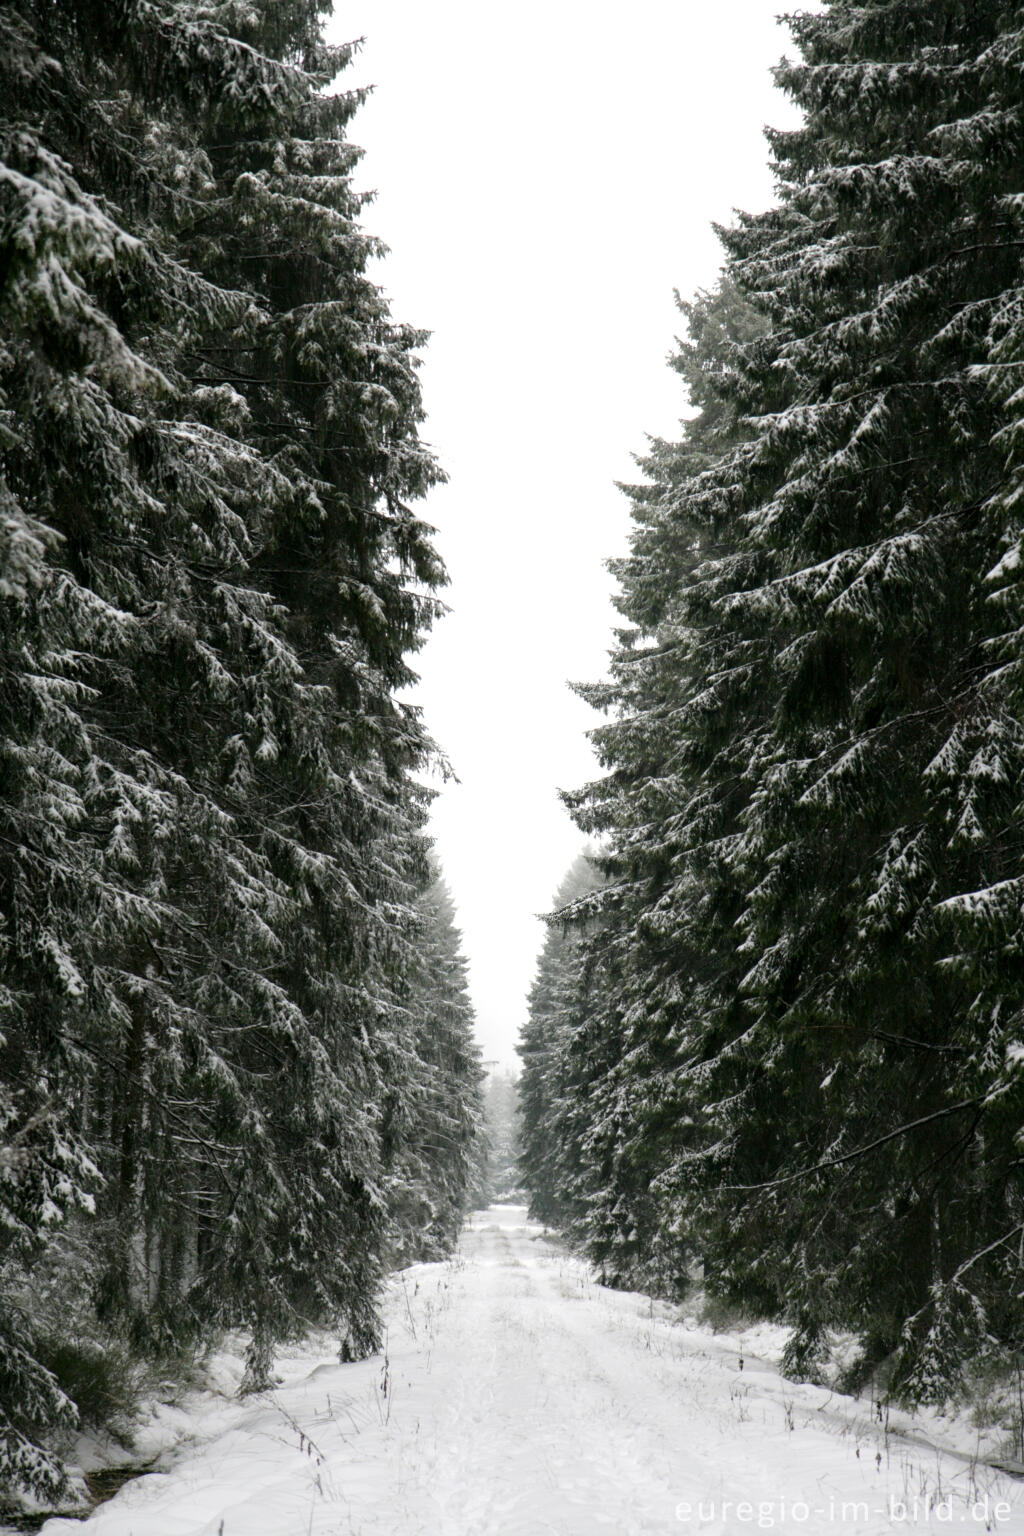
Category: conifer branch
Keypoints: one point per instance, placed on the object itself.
(871, 1146)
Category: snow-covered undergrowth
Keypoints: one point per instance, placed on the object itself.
(979, 1426)
(516, 1397)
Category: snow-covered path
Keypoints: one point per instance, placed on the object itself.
(517, 1398)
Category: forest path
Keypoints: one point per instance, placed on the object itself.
(518, 1398)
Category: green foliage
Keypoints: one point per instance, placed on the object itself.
(810, 1010)
(436, 1124)
(213, 580)
(548, 1153)
(102, 1380)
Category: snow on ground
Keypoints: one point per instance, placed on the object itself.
(518, 1398)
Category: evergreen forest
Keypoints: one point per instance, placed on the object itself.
(239, 1082)
(776, 1043)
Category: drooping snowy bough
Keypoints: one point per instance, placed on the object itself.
(811, 1001)
(212, 580)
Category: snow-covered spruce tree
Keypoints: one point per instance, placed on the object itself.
(211, 580)
(587, 1120)
(883, 782)
(548, 1154)
(664, 943)
(322, 785)
(435, 1096)
(846, 720)
(67, 372)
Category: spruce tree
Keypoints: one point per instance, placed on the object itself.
(871, 499)
(213, 580)
(548, 1155)
(437, 1119)
(664, 944)
(812, 790)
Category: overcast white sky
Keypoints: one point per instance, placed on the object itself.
(546, 175)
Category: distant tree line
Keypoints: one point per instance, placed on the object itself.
(237, 1078)
(782, 1040)
(496, 1180)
